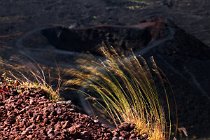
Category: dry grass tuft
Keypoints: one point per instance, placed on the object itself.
(27, 78)
(123, 89)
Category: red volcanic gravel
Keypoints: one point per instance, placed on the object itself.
(31, 115)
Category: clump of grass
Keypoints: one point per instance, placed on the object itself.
(26, 78)
(124, 90)
(51, 93)
(134, 7)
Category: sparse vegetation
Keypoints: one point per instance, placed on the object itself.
(134, 7)
(124, 89)
(26, 78)
(137, 4)
(120, 88)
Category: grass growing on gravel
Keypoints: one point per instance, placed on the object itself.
(125, 91)
(23, 77)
